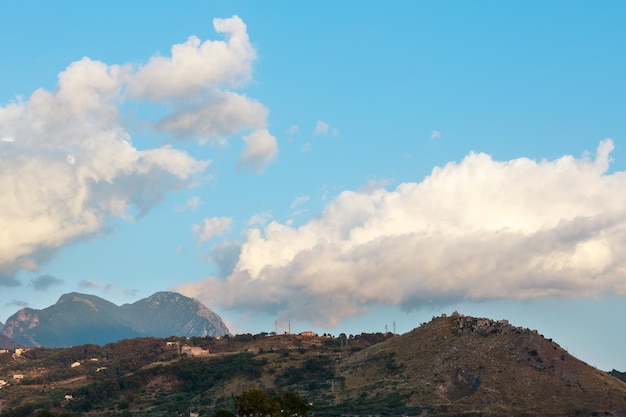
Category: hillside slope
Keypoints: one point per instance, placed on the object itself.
(8, 343)
(451, 366)
(462, 364)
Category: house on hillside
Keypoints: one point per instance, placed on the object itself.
(308, 333)
(19, 351)
(194, 351)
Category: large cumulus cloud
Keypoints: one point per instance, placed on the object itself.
(67, 160)
(479, 229)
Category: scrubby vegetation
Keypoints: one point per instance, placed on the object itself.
(450, 366)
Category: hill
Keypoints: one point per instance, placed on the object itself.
(451, 366)
(8, 343)
(78, 319)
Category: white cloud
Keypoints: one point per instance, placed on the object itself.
(260, 218)
(191, 204)
(293, 129)
(195, 66)
(435, 134)
(67, 162)
(201, 73)
(475, 230)
(261, 148)
(210, 228)
(217, 116)
(298, 201)
(321, 128)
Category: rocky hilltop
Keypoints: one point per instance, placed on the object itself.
(78, 319)
(459, 364)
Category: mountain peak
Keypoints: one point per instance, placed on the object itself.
(78, 319)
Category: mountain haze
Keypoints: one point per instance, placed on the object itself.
(78, 319)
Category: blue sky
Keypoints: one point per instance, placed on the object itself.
(339, 168)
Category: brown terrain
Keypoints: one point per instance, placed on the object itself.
(453, 365)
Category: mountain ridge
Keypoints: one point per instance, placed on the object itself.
(77, 319)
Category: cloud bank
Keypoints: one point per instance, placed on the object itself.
(67, 161)
(478, 229)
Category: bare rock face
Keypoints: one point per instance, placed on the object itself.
(19, 324)
(166, 314)
(463, 382)
(78, 319)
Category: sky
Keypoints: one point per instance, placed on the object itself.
(321, 166)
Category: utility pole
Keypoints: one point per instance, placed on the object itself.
(394, 327)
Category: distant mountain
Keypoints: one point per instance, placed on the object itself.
(1, 326)
(8, 343)
(78, 319)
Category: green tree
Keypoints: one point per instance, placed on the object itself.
(292, 405)
(224, 413)
(253, 403)
(256, 403)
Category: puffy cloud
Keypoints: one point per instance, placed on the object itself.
(194, 82)
(211, 227)
(475, 230)
(321, 128)
(261, 148)
(67, 162)
(195, 66)
(219, 115)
